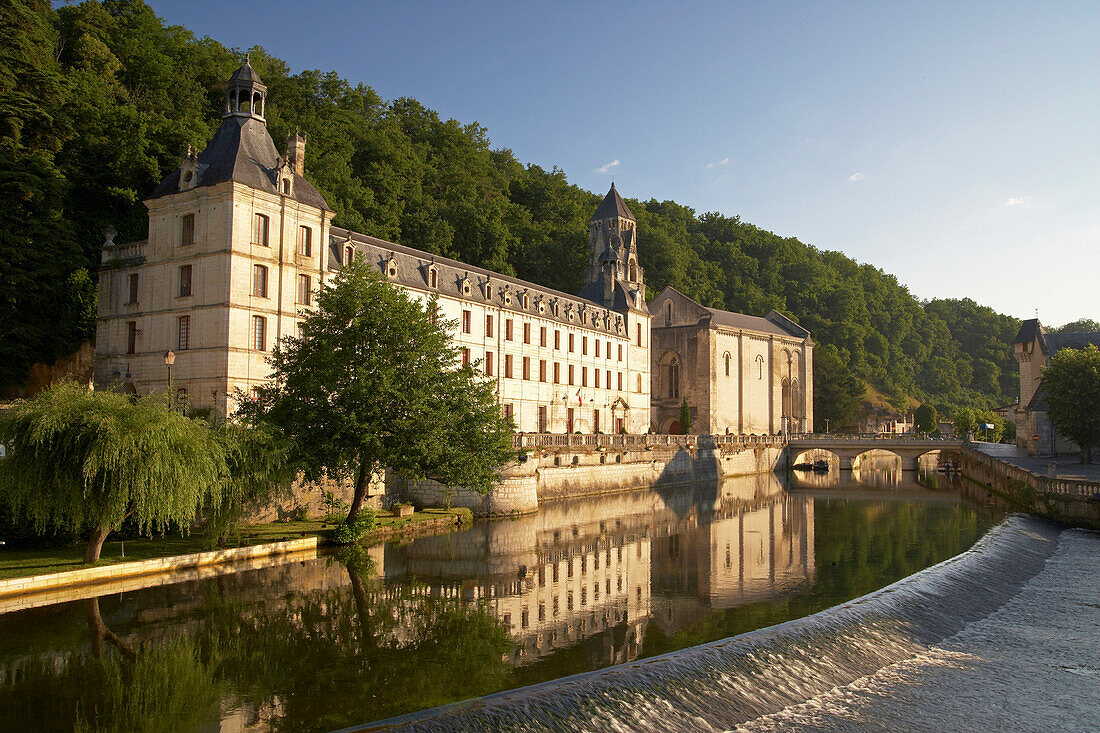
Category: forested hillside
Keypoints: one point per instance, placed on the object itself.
(97, 100)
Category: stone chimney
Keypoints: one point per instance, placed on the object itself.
(296, 152)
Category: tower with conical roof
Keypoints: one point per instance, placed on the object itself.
(614, 278)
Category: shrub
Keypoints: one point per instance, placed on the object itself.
(346, 533)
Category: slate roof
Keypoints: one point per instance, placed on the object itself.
(242, 151)
(486, 286)
(1029, 331)
(246, 74)
(612, 206)
(622, 301)
(774, 323)
(1052, 343)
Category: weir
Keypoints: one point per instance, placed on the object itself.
(722, 684)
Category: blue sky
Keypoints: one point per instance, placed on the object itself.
(952, 144)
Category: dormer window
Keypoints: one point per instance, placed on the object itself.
(507, 297)
(390, 267)
(526, 301)
(465, 285)
(349, 254)
(286, 186)
(433, 277)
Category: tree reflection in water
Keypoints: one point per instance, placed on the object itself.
(331, 642)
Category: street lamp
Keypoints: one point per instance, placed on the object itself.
(169, 360)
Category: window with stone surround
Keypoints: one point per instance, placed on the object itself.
(305, 241)
(187, 230)
(488, 363)
(185, 281)
(557, 372)
(467, 318)
(131, 337)
(570, 374)
(526, 333)
(542, 370)
(132, 289)
(507, 329)
(542, 335)
(259, 281)
(305, 290)
(557, 339)
(260, 227)
(527, 368)
(489, 325)
(508, 366)
(259, 333)
(183, 333)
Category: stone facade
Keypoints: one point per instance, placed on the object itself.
(1033, 348)
(739, 374)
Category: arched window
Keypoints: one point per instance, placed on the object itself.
(349, 254)
(672, 374)
(633, 271)
(726, 358)
(433, 278)
(668, 313)
(759, 366)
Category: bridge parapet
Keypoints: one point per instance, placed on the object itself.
(908, 448)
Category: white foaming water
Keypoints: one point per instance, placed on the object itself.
(806, 673)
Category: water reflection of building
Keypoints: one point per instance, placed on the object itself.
(596, 571)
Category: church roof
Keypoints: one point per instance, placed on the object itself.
(1029, 331)
(774, 323)
(612, 206)
(242, 151)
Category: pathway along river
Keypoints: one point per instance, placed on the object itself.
(399, 628)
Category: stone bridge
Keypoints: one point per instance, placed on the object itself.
(848, 447)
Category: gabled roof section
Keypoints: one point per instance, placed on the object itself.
(774, 323)
(1058, 341)
(242, 151)
(612, 206)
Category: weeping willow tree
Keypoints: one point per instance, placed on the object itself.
(79, 458)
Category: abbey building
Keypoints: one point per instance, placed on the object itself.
(239, 243)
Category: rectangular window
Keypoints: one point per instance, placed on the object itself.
(608, 352)
(183, 343)
(596, 376)
(557, 339)
(132, 289)
(608, 382)
(542, 335)
(305, 241)
(570, 343)
(131, 337)
(542, 370)
(620, 381)
(259, 281)
(527, 333)
(584, 376)
(465, 357)
(187, 230)
(508, 329)
(639, 334)
(542, 429)
(597, 348)
(508, 366)
(570, 374)
(301, 330)
(508, 410)
(259, 333)
(467, 317)
(527, 367)
(557, 372)
(584, 345)
(185, 281)
(620, 352)
(305, 290)
(488, 325)
(260, 224)
(488, 363)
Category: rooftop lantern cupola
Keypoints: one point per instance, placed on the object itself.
(246, 94)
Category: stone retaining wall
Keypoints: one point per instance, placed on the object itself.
(103, 573)
(548, 475)
(1064, 500)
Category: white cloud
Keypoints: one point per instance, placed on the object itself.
(1017, 201)
(858, 176)
(723, 161)
(607, 168)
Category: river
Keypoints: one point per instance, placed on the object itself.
(368, 634)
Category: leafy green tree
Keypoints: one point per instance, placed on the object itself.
(1072, 384)
(685, 417)
(375, 382)
(837, 392)
(925, 419)
(77, 457)
(970, 420)
(1081, 325)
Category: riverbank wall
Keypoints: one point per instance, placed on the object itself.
(569, 467)
(1070, 501)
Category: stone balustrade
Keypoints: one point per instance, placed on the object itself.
(123, 255)
(1041, 485)
(576, 441)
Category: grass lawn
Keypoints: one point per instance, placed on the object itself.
(19, 563)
